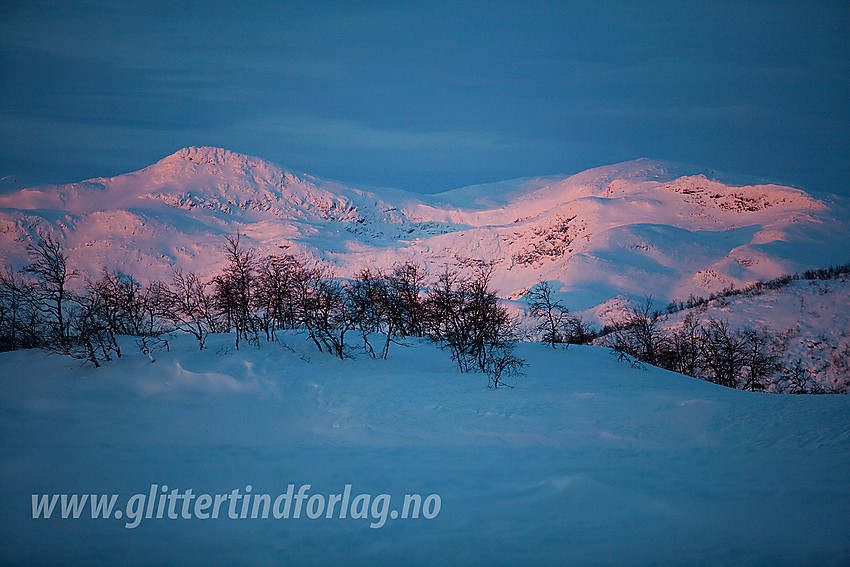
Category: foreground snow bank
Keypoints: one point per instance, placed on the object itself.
(585, 461)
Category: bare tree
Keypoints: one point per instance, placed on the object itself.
(305, 285)
(796, 378)
(191, 309)
(501, 362)
(640, 336)
(233, 288)
(493, 329)
(330, 316)
(91, 337)
(724, 353)
(405, 286)
(20, 323)
(446, 303)
(120, 297)
(48, 265)
(761, 358)
(466, 317)
(550, 311)
(367, 296)
(577, 331)
(274, 293)
(391, 305)
(685, 348)
(131, 308)
(401, 311)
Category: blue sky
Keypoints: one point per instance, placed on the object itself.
(428, 96)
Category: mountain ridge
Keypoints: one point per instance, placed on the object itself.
(639, 227)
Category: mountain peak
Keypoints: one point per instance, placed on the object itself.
(216, 156)
(658, 170)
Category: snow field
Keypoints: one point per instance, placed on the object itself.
(585, 461)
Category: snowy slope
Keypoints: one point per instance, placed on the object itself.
(587, 461)
(639, 227)
(809, 318)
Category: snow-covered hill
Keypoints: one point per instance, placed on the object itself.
(586, 461)
(639, 227)
(809, 321)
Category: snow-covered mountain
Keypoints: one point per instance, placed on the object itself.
(634, 228)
